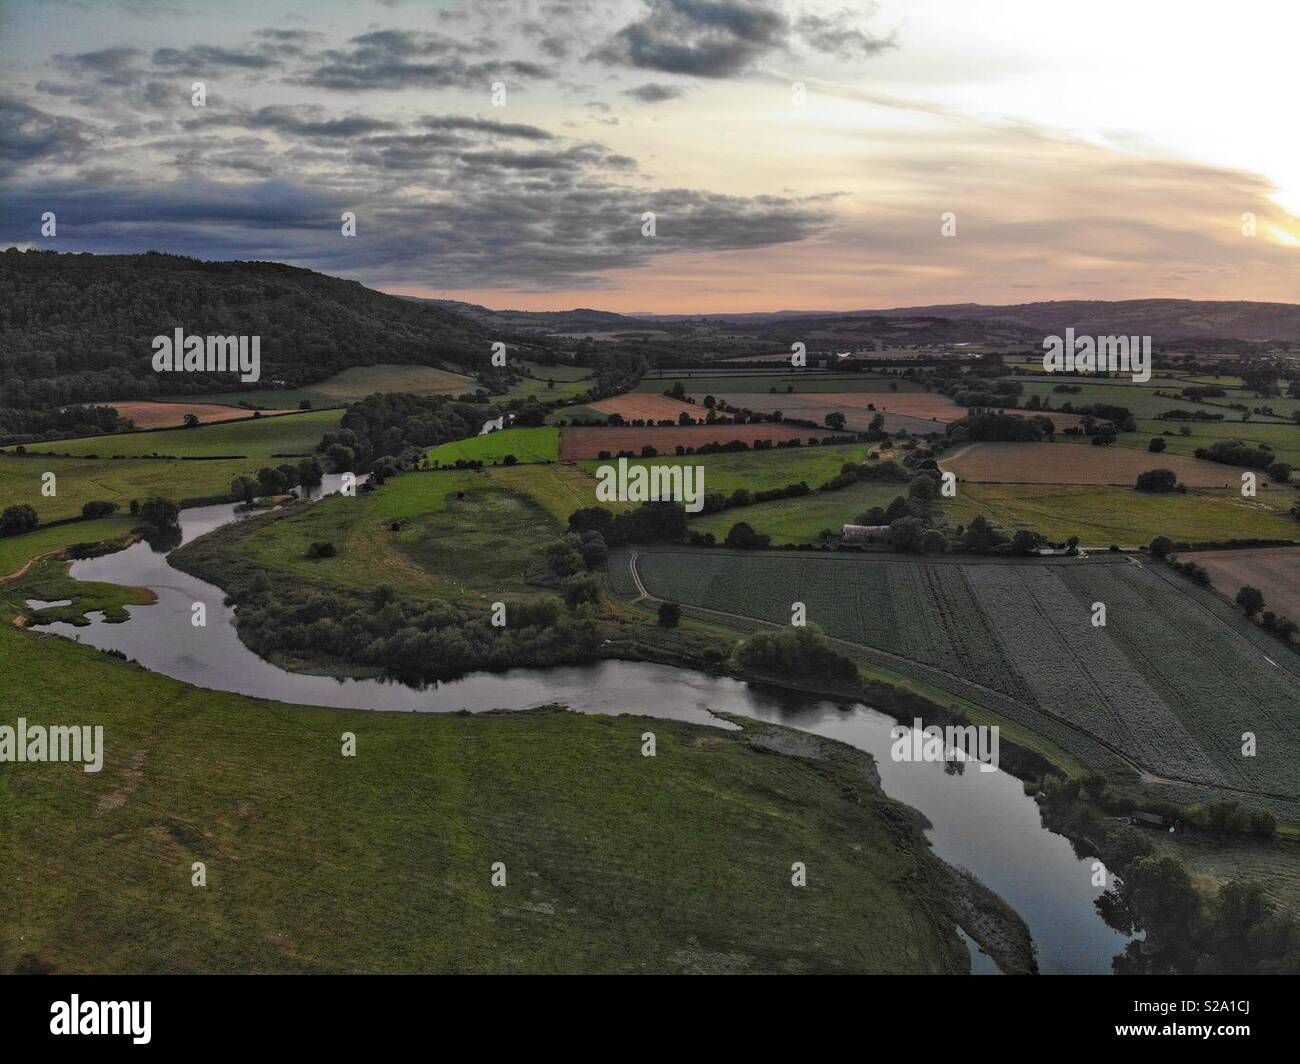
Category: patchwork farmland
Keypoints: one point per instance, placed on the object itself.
(1169, 685)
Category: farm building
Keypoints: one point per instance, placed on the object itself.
(864, 533)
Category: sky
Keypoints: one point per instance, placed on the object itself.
(811, 156)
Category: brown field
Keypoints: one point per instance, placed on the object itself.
(1274, 570)
(579, 443)
(647, 406)
(1074, 463)
(916, 412)
(148, 415)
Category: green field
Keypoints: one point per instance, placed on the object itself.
(1170, 683)
(82, 480)
(804, 518)
(559, 489)
(1283, 439)
(254, 438)
(526, 444)
(16, 551)
(702, 382)
(614, 862)
(1100, 516)
(476, 547)
(1142, 400)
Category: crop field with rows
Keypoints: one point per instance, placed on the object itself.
(1168, 683)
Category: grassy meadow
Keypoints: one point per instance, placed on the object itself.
(526, 444)
(253, 438)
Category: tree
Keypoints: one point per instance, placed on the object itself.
(321, 549)
(98, 508)
(670, 615)
(190, 421)
(244, 488)
(1161, 547)
(17, 519)
(1159, 480)
(1025, 542)
(1280, 472)
(1251, 600)
(743, 537)
(1157, 444)
(835, 420)
(161, 512)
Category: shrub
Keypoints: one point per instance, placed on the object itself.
(670, 614)
(321, 549)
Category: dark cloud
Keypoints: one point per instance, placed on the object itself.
(201, 58)
(108, 66)
(303, 122)
(703, 38)
(653, 92)
(29, 136)
(483, 125)
(400, 59)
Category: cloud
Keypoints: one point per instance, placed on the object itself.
(653, 92)
(29, 136)
(840, 36)
(202, 58)
(703, 38)
(401, 59)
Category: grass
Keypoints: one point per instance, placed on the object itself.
(526, 444)
(1284, 439)
(1100, 516)
(82, 480)
(703, 382)
(381, 862)
(802, 519)
(1164, 681)
(16, 551)
(557, 489)
(254, 438)
(760, 470)
(475, 547)
(1143, 401)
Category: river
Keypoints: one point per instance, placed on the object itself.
(982, 821)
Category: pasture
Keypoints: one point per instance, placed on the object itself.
(526, 444)
(297, 840)
(1067, 463)
(1167, 683)
(259, 437)
(762, 470)
(1102, 515)
(804, 518)
(589, 442)
(82, 480)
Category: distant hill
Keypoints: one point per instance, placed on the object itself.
(77, 328)
(1163, 319)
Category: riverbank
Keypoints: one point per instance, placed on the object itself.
(315, 861)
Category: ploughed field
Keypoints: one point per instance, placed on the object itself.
(149, 415)
(1169, 685)
(641, 406)
(1274, 570)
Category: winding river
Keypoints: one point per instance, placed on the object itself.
(981, 821)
